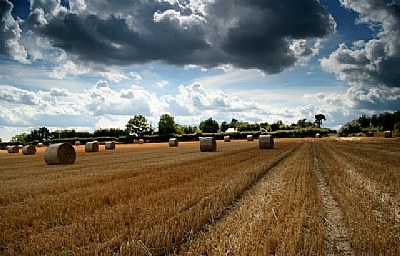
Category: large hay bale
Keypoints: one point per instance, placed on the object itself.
(388, 134)
(317, 135)
(92, 146)
(29, 150)
(109, 145)
(60, 153)
(77, 143)
(208, 144)
(141, 141)
(13, 149)
(266, 141)
(250, 137)
(173, 142)
(227, 138)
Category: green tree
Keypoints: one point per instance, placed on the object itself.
(318, 120)
(209, 126)
(303, 123)
(41, 135)
(166, 125)
(20, 138)
(138, 126)
(224, 126)
(365, 121)
(234, 123)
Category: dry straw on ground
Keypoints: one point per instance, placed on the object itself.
(208, 144)
(60, 153)
(29, 150)
(266, 141)
(92, 146)
(173, 142)
(250, 138)
(109, 145)
(13, 149)
(227, 138)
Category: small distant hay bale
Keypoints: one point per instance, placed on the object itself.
(317, 135)
(92, 146)
(200, 138)
(13, 149)
(388, 134)
(266, 141)
(20, 146)
(77, 143)
(369, 134)
(173, 142)
(135, 141)
(40, 145)
(29, 150)
(60, 154)
(250, 138)
(227, 138)
(109, 145)
(208, 144)
(141, 141)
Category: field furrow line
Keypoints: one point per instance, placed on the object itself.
(338, 242)
(375, 190)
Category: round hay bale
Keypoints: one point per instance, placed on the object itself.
(20, 146)
(317, 135)
(40, 145)
(77, 143)
(266, 141)
(250, 138)
(60, 153)
(135, 141)
(109, 145)
(141, 141)
(227, 138)
(92, 146)
(29, 150)
(208, 144)
(13, 149)
(173, 142)
(388, 134)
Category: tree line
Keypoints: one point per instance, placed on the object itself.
(138, 126)
(376, 123)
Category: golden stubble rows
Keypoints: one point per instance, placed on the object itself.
(142, 200)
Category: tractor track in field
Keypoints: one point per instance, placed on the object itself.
(263, 171)
(337, 240)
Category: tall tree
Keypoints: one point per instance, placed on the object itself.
(138, 126)
(166, 125)
(209, 126)
(318, 120)
(224, 126)
(41, 135)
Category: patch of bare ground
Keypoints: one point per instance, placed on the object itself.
(364, 183)
(280, 215)
(337, 241)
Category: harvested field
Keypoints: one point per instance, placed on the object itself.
(151, 199)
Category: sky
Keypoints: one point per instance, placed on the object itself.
(85, 64)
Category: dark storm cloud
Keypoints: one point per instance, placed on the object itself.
(5, 26)
(263, 29)
(248, 34)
